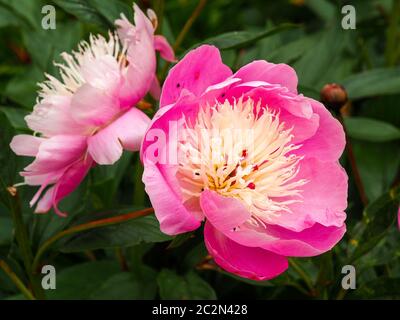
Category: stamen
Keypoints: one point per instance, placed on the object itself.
(241, 151)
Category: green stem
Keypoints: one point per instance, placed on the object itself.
(87, 226)
(392, 35)
(21, 235)
(353, 165)
(17, 281)
(342, 293)
(181, 36)
(303, 275)
(159, 9)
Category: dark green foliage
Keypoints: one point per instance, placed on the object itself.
(133, 259)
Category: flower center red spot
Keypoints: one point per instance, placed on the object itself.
(251, 186)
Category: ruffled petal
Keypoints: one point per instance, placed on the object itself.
(199, 69)
(26, 145)
(92, 106)
(126, 132)
(68, 182)
(248, 262)
(323, 198)
(173, 216)
(329, 141)
(57, 153)
(224, 213)
(161, 45)
(272, 73)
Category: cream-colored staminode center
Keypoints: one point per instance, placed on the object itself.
(88, 55)
(241, 151)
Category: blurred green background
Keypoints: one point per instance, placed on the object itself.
(133, 260)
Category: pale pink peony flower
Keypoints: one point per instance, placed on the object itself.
(88, 117)
(256, 160)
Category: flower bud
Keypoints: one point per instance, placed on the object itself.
(334, 96)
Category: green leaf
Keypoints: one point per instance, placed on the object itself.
(28, 12)
(7, 18)
(241, 39)
(111, 10)
(15, 117)
(45, 46)
(22, 88)
(378, 164)
(128, 286)
(379, 216)
(383, 287)
(126, 234)
(373, 83)
(293, 50)
(323, 9)
(83, 11)
(188, 287)
(180, 239)
(82, 281)
(325, 53)
(371, 130)
(6, 230)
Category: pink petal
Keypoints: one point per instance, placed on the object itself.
(174, 218)
(248, 262)
(323, 197)
(312, 241)
(56, 153)
(126, 132)
(224, 213)
(309, 242)
(45, 203)
(67, 183)
(103, 72)
(161, 44)
(140, 56)
(273, 96)
(52, 116)
(261, 70)
(199, 69)
(329, 141)
(92, 106)
(141, 70)
(155, 89)
(26, 145)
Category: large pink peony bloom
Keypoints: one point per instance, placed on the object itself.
(250, 156)
(88, 117)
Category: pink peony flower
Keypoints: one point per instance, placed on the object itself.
(87, 117)
(250, 156)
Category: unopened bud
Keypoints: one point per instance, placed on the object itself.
(334, 96)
